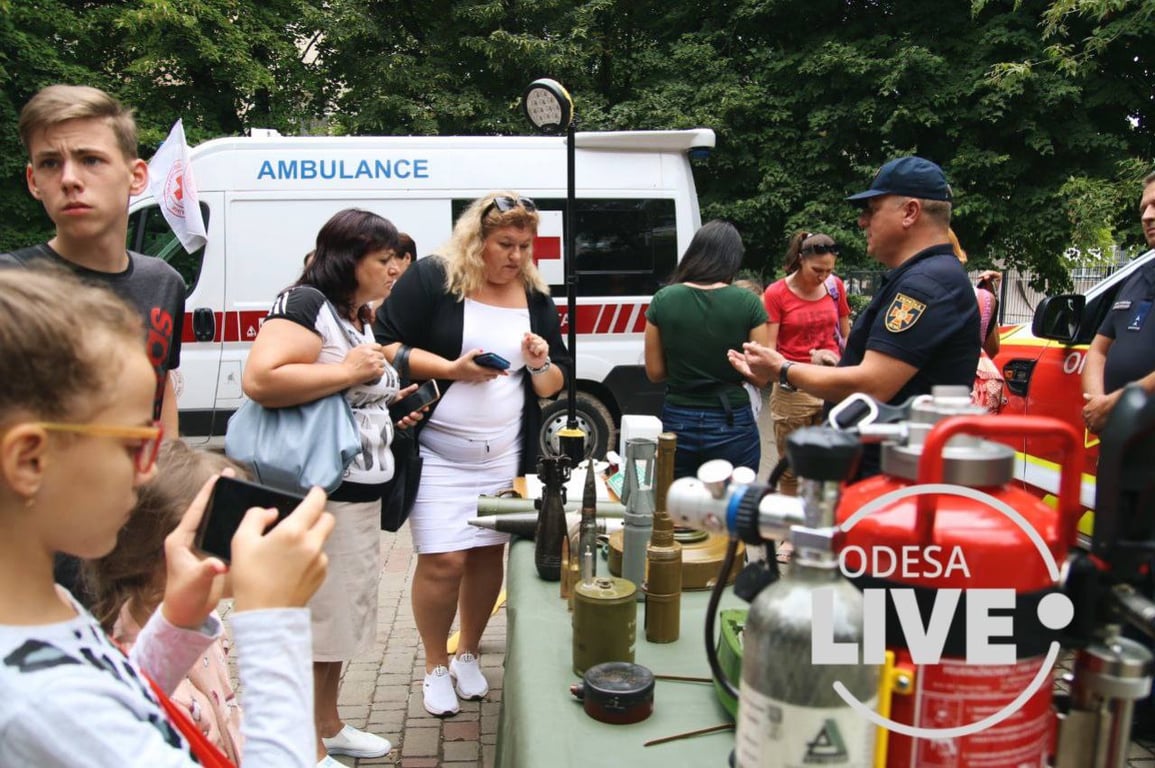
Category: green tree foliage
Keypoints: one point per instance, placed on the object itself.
(222, 65)
(808, 97)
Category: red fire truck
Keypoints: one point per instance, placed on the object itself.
(1043, 366)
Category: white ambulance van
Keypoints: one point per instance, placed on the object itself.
(264, 199)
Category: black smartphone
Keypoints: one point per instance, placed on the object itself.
(492, 360)
(231, 499)
(422, 396)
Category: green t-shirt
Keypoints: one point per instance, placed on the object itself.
(698, 326)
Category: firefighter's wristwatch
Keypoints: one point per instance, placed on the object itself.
(783, 383)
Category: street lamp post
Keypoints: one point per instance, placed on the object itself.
(549, 108)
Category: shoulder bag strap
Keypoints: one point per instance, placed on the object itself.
(832, 288)
(986, 305)
(401, 364)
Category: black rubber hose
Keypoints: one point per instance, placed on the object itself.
(776, 473)
(711, 617)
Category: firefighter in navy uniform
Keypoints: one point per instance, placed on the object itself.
(921, 328)
(1123, 350)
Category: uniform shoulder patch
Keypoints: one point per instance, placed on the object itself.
(903, 313)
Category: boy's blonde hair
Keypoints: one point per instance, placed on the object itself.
(59, 103)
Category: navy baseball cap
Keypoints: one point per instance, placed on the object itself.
(908, 176)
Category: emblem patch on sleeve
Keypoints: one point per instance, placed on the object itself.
(903, 313)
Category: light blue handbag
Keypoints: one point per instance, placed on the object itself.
(296, 447)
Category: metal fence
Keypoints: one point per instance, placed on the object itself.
(1018, 300)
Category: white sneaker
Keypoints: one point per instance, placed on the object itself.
(354, 743)
(471, 683)
(328, 762)
(440, 700)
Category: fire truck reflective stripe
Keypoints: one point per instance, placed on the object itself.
(1027, 340)
(608, 319)
(1044, 474)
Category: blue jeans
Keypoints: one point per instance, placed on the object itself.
(704, 434)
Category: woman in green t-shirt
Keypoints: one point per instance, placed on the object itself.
(690, 325)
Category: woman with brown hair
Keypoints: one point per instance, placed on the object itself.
(809, 322)
(317, 341)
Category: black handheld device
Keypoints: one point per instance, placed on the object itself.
(231, 499)
(424, 395)
(492, 360)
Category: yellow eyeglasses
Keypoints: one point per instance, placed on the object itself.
(145, 453)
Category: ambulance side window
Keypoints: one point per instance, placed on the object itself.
(150, 234)
(625, 247)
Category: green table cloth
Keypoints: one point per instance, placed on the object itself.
(542, 724)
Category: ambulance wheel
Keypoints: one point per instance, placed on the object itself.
(592, 417)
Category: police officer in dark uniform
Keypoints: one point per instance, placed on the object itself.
(921, 328)
(1123, 350)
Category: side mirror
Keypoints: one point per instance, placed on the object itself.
(1058, 318)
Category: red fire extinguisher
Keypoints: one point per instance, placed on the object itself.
(929, 545)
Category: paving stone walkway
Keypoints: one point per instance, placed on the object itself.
(381, 691)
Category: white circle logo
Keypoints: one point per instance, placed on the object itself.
(1055, 611)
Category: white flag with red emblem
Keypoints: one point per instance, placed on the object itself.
(172, 185)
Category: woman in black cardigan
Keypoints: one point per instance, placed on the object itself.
(481, 293)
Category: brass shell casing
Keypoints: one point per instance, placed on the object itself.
(663, 586)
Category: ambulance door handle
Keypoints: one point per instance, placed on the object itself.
(1018, 376)
(204, 324)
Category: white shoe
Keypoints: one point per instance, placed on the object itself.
(440, 700)
(328, 762)
(354, 743)
(471, 683)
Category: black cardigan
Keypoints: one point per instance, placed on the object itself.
(421, 313)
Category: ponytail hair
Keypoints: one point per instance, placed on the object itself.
(794, 252)
(799, 243)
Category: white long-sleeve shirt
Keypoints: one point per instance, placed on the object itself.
(69, 697)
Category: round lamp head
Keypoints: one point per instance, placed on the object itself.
(547, 105)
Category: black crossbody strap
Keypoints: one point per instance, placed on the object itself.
(401, 364)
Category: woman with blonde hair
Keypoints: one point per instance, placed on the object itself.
(480, 293)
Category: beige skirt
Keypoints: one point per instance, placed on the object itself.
(344, 609)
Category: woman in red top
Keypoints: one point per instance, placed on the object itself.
(809, 323)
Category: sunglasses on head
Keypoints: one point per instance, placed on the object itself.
(820, 248)
(505, 204)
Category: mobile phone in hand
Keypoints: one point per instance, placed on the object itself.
(231, 499)
(424, 395)
(492, 360)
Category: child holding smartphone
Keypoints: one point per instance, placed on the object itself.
(127, 586)
(77, 440)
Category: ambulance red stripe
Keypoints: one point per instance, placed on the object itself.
(592, 319)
